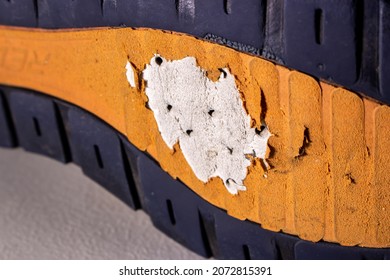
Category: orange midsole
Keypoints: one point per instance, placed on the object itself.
(337, 190)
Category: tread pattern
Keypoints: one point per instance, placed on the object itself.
(7, 134)
(99, 154)
(384, 46)
(342, 42)
(317, 38)
(138, 181)
(37, 123)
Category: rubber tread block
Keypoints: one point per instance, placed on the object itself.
(134, 156)
(36, 124)
(235, 239)
(321, 40)
(368, 52)
(69, 13)
(172, 207)
(7, 134)
(237, 20)
(273, 29)
(241, 21)
(19, 13)
(96, 148)
(160, 14)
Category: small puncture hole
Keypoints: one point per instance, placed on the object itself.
(223, 72)
(158, 60)
(98, 156)
(211, 112)
(320, 66)
(261, 129)
(189, 131)
(169, 107)
(230, 150)
(229, 181)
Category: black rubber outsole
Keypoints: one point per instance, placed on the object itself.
(51, 127)
(344, 42)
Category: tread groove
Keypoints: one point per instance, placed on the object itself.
(359, 31)
(247, 253)
(62, 131)
(186, 9)
(102, 6)
(278, 251)
(9, 119)
(98, 156)
(171, 212)
(227, 5)
(36, 10)
(205, 235)
(264, 15)
(177, 2)
(130, 178)
(319, 25)
(37, 127)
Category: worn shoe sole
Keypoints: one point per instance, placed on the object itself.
(328, 152)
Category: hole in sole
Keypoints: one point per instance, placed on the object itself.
(158, 60)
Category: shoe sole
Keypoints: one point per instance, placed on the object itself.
(329, 157)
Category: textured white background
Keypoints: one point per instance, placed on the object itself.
(52, 211)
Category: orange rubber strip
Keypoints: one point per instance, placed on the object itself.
(330, 149)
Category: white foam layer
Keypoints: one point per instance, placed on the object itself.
(206, 118)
